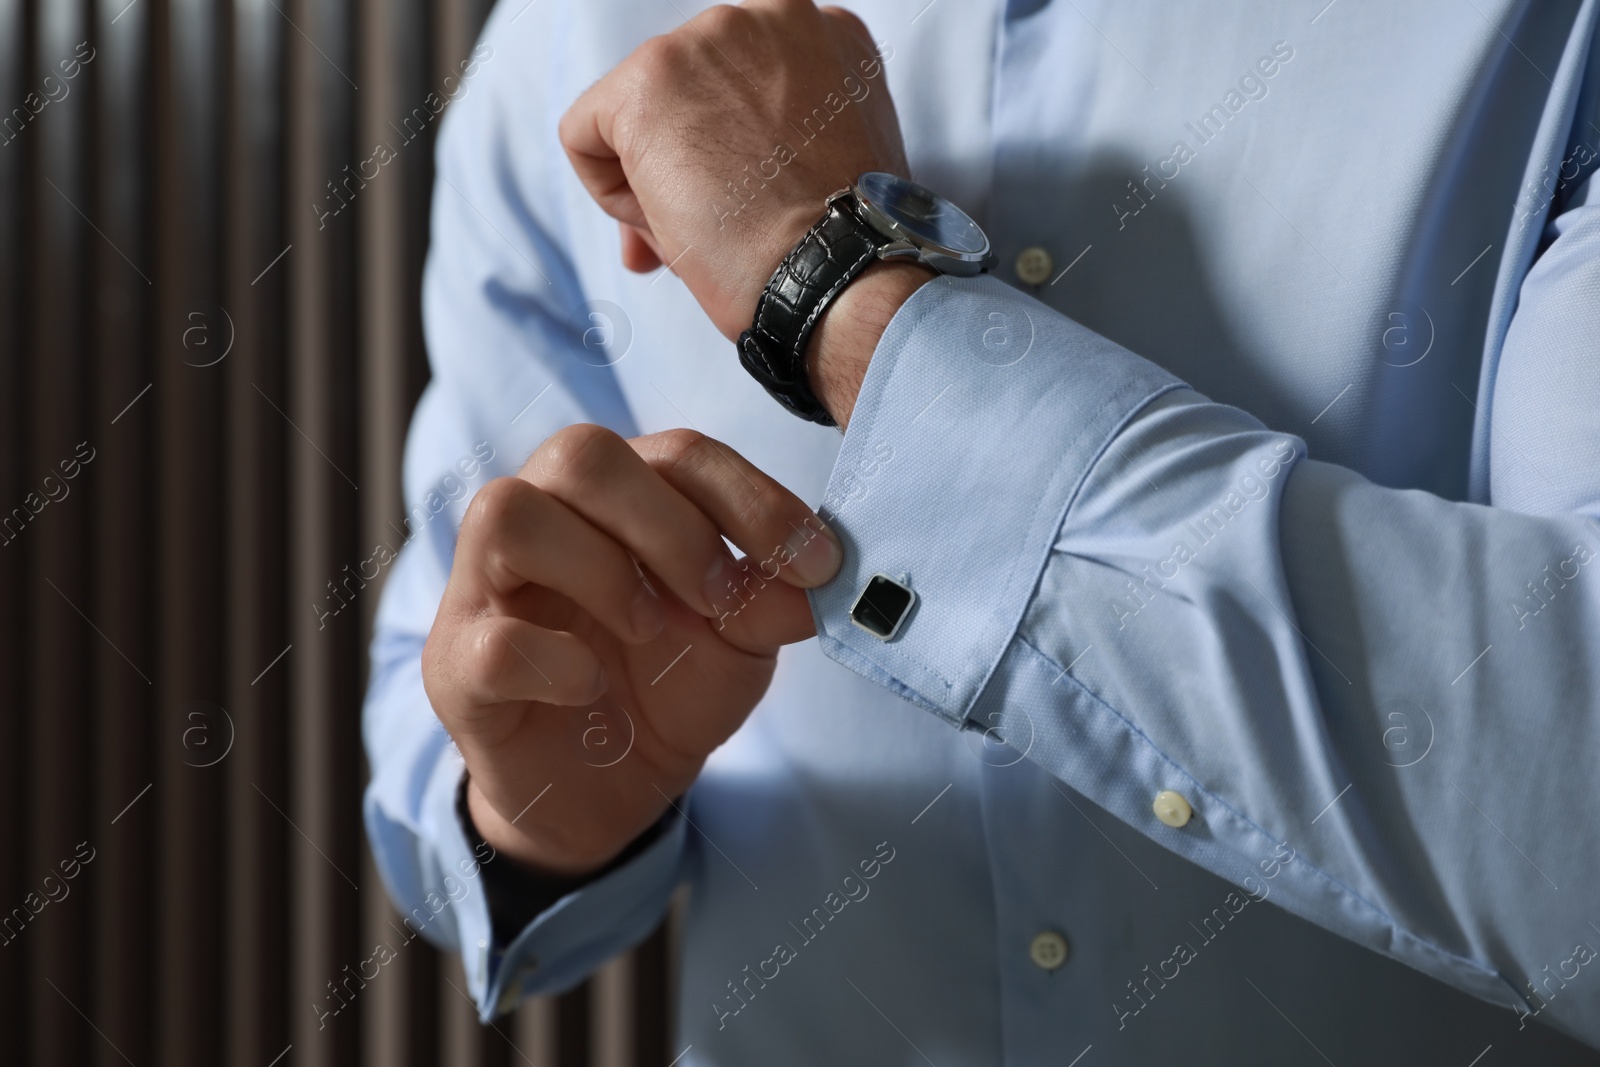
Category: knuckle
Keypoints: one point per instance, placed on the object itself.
(493, 508)
(682, 448)
(658, 56)
(487, 655)
(574, 455)
(854, 28)
(722, 20)
(569, 127)
(854, 21)
(769, 504)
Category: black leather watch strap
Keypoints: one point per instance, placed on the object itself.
(773, 350)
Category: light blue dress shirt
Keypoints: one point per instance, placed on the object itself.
(1269, 484)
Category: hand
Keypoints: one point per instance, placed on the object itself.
(594, 590)
(715, 145)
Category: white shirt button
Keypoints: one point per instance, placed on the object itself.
(1048, 950)
(1171, 808)
(1033, 265)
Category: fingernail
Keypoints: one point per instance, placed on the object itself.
(817, 553)
(719, 581)
(648, 616)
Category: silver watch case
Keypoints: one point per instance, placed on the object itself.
(903, 244)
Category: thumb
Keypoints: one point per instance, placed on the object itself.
(762, 614)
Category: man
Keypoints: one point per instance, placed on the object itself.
(1239, 519)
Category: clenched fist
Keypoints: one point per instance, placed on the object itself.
(596, 582)
(715, 145)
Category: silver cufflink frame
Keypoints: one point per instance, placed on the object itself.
(883, 605)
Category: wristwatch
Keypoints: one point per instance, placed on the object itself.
(880, 216)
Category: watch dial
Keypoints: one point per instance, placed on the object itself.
(922, 213)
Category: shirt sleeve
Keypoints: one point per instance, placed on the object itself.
(511, 346)
(1384, 703)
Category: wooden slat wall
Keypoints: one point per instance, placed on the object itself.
(244, 376)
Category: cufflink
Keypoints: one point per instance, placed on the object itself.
(883, 606)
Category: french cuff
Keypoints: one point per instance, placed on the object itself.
(981, 413)
(567, 941)
(455, 877)
(564, 943)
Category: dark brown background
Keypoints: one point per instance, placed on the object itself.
(138, 219)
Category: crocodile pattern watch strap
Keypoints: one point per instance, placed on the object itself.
(773, 350)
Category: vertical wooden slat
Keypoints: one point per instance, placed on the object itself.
(534, 1030)
(414, 171)
(611, 1036)
(573, 1011)
(323, 465)
(17, 192)
(394, 1034)
(199, 544)
(128, 728)
(380, 239)
(193, 452)
(649, 1016)
(461, 1039)
(58, 541)
(259, 837)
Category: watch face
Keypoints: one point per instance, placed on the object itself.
(921, 213)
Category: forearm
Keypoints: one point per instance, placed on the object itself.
(1146, 591)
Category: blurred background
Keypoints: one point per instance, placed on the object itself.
(210, 344)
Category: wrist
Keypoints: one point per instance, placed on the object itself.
(567, 835)
(508, 837)
(842, 344)
(518, 893)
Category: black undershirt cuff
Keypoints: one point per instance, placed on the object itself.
(517, 895)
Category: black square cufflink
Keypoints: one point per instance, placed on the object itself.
(883, 606)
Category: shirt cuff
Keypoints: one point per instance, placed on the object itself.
(981, 413)
(562, 945)
(565, 943)
(516, 894)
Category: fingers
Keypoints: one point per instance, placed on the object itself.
(499, 659)
(760, 614)
(782, 538)
(588, 504)
(588, 134)
(596, 474)
(639, 251)
(514, 535)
